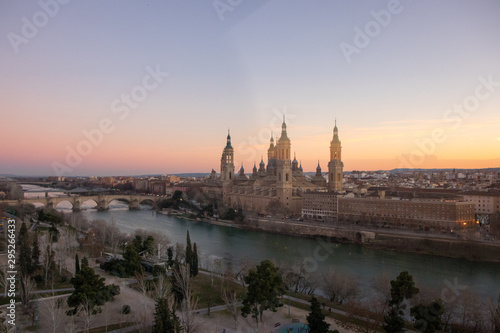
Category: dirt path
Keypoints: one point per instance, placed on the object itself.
(141, 308)
(222, 320)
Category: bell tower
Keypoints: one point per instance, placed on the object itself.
(335, 166)
(227, 161)
(283, 169)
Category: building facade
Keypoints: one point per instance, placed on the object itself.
(412, 214)
(281, 184)
(320, 206)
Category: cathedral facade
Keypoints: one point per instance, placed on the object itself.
(281, 183)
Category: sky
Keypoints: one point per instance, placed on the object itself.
(143, 87)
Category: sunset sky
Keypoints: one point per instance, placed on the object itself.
(141, 87)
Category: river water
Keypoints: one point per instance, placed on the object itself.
(448, 277)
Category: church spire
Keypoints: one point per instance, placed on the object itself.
(336, 132)
(228, 145)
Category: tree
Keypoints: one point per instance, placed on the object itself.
(170, 256)
(77, 264)
(90, 291)
(230, 298)
(340, 287)
(48, 263)
(428, 317)
(148, 245)
(28, 288)
(403, 288)
(132, 260)
(35, 254)
(189, 251)
(190, 321)
(230, 214)
(24, 261)
(56, 312)
(194, 261)
(165, 318)
(177, 198)
(162, 287)
(496, 316)
(316, 318)
(265, 288)
(54, 233)
(393, 321)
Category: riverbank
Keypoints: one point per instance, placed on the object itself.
(412, 243)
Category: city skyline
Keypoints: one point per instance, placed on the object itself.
(152, 88)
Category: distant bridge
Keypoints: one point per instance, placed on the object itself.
(102, 201)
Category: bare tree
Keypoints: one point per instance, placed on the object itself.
(161, 242)
(340, 287)
(471, 314)
(56, 312)
(142, 318)
(180, 252)
(245, 266)
(141, 281)
(383, 286)
(48, 263)
(101, 227)
(162, 288)
(86, 313)
(231, 300)
(28, 286)
(190, 321)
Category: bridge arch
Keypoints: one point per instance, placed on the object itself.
(121, 199)
(56, 204)
(147, 201)
(38, 203)
(84, 201)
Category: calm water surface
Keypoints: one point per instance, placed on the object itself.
(233, 246)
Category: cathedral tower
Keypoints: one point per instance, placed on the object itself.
(227, 161)
(283, 168)
(335, 166)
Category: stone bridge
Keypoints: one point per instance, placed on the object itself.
(102, 201)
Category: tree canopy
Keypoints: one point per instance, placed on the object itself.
(90, 291)
(316, 318)
(265, 288)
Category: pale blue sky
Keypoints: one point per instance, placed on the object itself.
(264, 56)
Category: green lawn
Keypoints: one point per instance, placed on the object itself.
(211, 294)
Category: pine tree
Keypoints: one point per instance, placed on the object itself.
(90, 290)
(170, 257)
(402, 288)
(77, 264)
(132, 259)
(35, 255)
(165, 319)
(189, 251)
(428, 317)
(194, 261)
(24, 251)
(316, 318)
(393, 321)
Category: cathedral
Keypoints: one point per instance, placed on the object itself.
(279, 183)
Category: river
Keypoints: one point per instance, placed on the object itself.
(448, 277)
